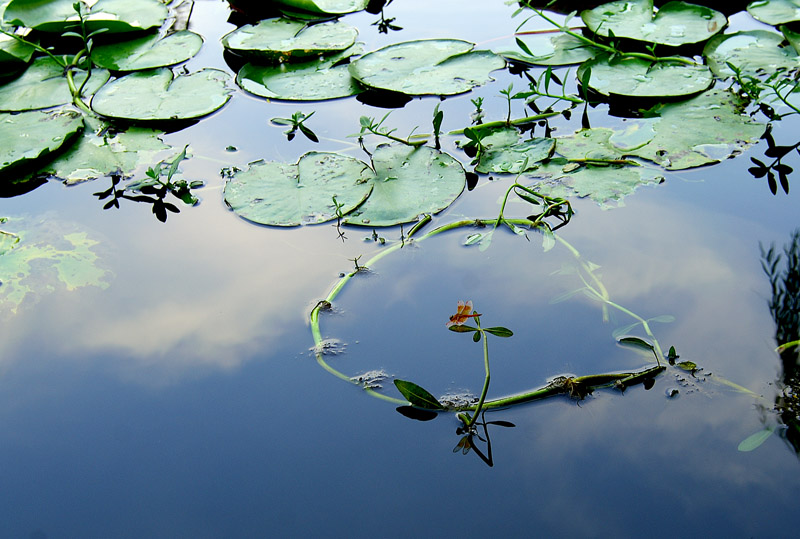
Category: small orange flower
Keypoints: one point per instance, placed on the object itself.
(462, 314)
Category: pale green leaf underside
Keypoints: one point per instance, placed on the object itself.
(332, 7)
(752, 52)
(775, 11)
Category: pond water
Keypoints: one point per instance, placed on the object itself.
(182, 399)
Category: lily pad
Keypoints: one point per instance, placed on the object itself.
(157, 95)
(29, 136)
(43, 85)
(94, 156)
(326, 7)
(282, 40)
(50, 256)
(549, 50)
(116, 16)
(634, 77)
(148, 52)
(505, 153)
(752, 52)
(675, 23)
(775, 12)
(426, 67)
(281, 194)
(605, 185)
(409, 182)
(315, 80)
(14, 55)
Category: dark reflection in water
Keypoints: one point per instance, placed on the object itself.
(783, 272)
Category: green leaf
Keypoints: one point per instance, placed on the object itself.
(476, 337)
(499, 331)
(675, 23)
(148, 52)
(775, 12)
(14, 55)
(58, 16)
(409, 182)
(43, 85)
(157, 95)
(328, 7)
(635, 77)
(426, 67)
(417, 396)
(636, 342)
(754, 441)
(689, 366)
(30, 136)
(286, 40)
(505, 153)
(314, 80)
(280, 194)
(461, 328)
(752, 52)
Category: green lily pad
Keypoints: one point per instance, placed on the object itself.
(675, 23)
(283, 40)
(409, 182)
(325, 7)
(775, 12)
(14, 55)
(505, 153)
(94, 156)
(315, 80)
(549, 50)
(426, 67)
(50, 256)
(752, 52)
(280, 194)
(157, 95)
(43, 85)
(634, 77)
(148, 52)
(29, 136)
(605, 185)
(703, 130)
(117, 16)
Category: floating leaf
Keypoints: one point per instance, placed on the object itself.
(549, 50)
(290, 195)
(426, 67)
(752, 52)
(157, 95)
(775, 12)
(43, 85)
(29, 136)
(329, 7)
(635, 77)
(58, 16)
(303, 81)
(415, 413)
(637, 343)
(675, 23)
(96, 155)
(507, 154)
(148, 52)
(689, 366)
(14, 54)
(409, 182)
(417, 396)
(284, 40)
(754, 441)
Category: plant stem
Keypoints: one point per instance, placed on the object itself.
(485, 389)
(503, 123)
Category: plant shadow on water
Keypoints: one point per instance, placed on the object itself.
(155, 378)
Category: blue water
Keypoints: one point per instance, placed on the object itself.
(183, 400)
